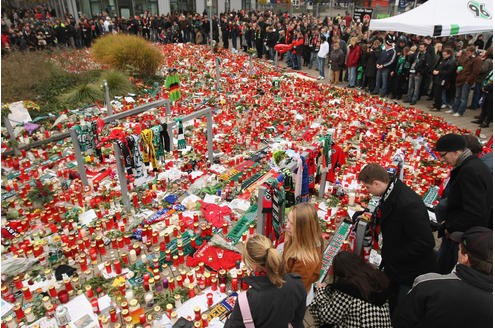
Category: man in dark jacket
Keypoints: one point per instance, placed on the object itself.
(430, 60)
(416, 74)
(402, 218)
(462, 298)
(384, 65)
(443, 77)
(467, 198)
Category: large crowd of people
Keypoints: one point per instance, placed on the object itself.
(413, 286)
(445, 70)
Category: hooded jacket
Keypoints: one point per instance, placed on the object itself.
(463, 298)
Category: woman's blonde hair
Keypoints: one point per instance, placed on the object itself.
(305, 244)
(259, 252)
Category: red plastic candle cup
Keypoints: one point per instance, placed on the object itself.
(235, 284)
(209, 299)
(125, 259)
(223, 288)
(117, 266)
(214, 284)
(108, 267)
(94, 304)
(52, 291)
(27, 293)
(83, 265)
(63, 296)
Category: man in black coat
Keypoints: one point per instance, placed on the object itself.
(443, 75)
(402, 219)
(463, 298)
(467, 198)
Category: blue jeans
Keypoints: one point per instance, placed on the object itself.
(288, 58)
(296, 61)
(271, 51)
(320, 63)
(352, 74)
(381, 81)
(414, 87)
(234, 42)
(313, 57)
(461, 98)
(475, 102)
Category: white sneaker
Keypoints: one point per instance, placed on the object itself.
(443, 106)
(450, 111)
(457, 114)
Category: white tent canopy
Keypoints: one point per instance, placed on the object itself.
(441, 18)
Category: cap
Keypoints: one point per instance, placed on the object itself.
(389, 39)
(450, 142)
(478, 242)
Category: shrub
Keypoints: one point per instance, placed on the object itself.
(82, 95)
(118, 83)
(127, 52)
(33, 76)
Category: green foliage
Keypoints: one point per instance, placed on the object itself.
(118, 83)
(40, 193)
(32, 76)
(82, 95)
(127, 52)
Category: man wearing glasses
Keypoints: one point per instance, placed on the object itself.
(467, 200)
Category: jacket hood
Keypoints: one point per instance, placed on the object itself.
(475, 278)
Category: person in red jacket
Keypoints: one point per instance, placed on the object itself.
(297, 50)
(353, 55)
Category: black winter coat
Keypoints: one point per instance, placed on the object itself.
(469, 196)
(460, 299)
(371, 63)
(407, 249)
(273, 307)
(446, 71)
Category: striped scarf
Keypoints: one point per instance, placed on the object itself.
(149, 153)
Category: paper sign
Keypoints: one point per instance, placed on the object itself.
(87, 217)
(6, 307)
(19, 114)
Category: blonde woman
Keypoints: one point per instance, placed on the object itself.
(303, 246)
(275, 299)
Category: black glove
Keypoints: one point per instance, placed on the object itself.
(356, 215)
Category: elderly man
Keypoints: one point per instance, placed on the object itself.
(467, 198)
(462, 298)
